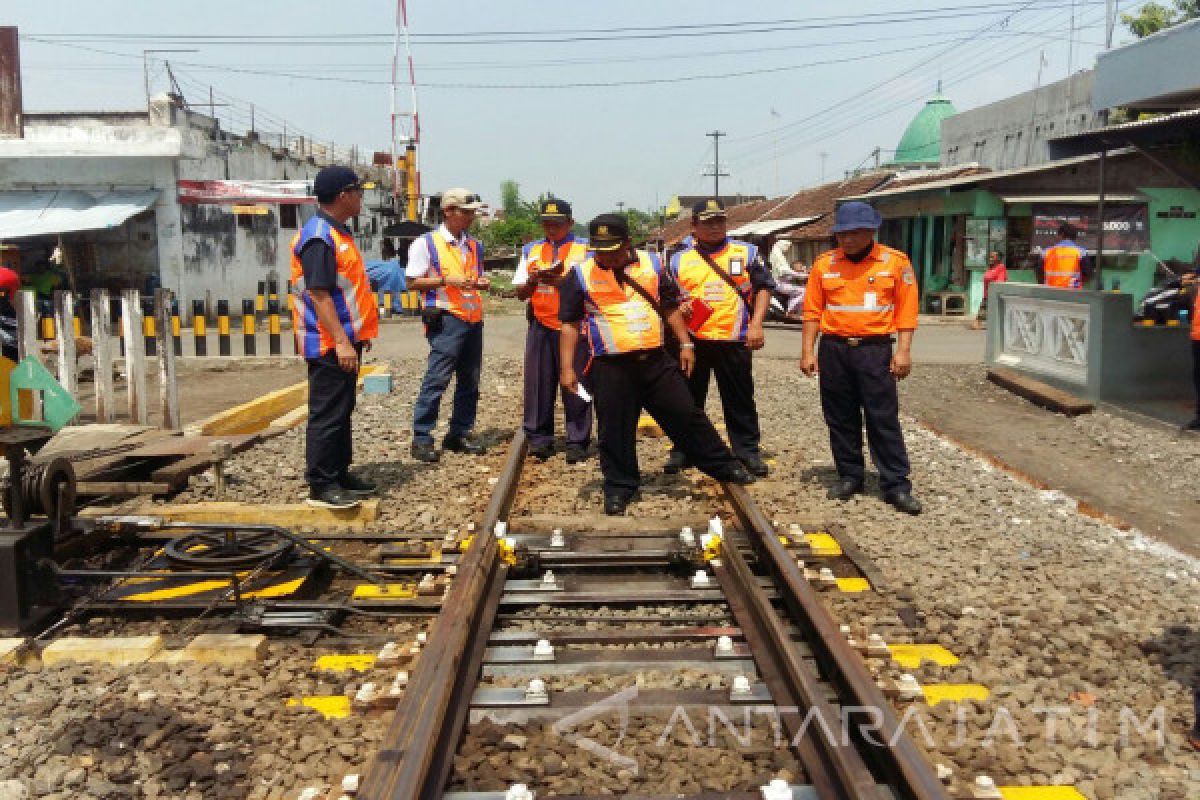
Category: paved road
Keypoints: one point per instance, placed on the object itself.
(938, 343)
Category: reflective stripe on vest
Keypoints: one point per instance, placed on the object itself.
(446, 261)
(863, 309)
(618, 319)
(544, 255)
(730, 318)
(352, 297)
(1061, 266)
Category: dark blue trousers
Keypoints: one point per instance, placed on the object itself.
(542, 389)
(328, 439)
(455, 351)
(857, 385)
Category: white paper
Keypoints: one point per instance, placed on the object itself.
(583, 393)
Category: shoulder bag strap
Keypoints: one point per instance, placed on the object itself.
(725, 276)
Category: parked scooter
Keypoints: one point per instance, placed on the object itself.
(787, 300)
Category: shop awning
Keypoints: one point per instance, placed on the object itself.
(1080, 198)
(769, 226)
(24, 214)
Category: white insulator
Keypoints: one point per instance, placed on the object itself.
(944, 773)
(422, 637)
(777, 789)
(716, 527)
(366, 693)
(908, 687)
(452, 570)
(985, 788)
(741, 686)
(536, 691)
(844, 629)
(543, 650)
(700, 580)
(687, 537)
(450, 538)
(309, 794)
(724, 646)
(350, 784)
(518, 791)
(501, 529)
(826, 577)
(548, 579)
(389, 652)
(796, 529)
(557, 539)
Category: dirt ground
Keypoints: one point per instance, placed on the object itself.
(1140, 473)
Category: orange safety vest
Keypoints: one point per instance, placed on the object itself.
(874, 297)
(730, 317)
(446, 261)
(1196, 316)
(618, 319)
(542, 255)
(352, 296)
(1062, 266)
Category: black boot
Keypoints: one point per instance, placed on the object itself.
(425, 451)
(844, 489)
(331, 497)
(461, 444)
(903, 501)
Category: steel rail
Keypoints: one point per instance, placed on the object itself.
(418, 748)
(888, 750)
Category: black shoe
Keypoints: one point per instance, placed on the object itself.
(903, 501)
(677, 462)
(844, 489)
(425, 451)
(1194, 425)
(576, 454)
(615, 504)
(542, 451)
(755, 466)
(356, 485)
(461, 444)
(332, 497)
(735, 474)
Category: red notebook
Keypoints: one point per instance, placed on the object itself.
(701, 311)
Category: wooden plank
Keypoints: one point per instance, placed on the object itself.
(291, 515)
(96, 488)
(168, 389)
(64, 335)
(1039, 393)
(135, 355)
(177, 473)
(102, 353)
(184, 446)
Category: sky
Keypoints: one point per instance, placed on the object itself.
(599, 103)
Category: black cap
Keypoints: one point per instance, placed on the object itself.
(332, 181)
(708, 209)
(554, 209)
(608, 232)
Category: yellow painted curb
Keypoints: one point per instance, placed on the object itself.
(257, 414)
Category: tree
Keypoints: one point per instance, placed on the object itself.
(1154, 17)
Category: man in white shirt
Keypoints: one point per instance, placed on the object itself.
(446, 267)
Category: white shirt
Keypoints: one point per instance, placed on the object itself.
(521, 276)
(418, 252)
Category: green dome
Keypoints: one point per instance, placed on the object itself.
(922, 140)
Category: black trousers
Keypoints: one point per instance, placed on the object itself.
(328, 444)
(732, 364)
(1196, 372)
(625, 384)
(857, 384)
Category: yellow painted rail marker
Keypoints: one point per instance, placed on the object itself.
(954, 692)
(823, 544)
(389, 591)
(1040, 793)
(853, 585)
(910, 656)
(334, 706)
(358, 662)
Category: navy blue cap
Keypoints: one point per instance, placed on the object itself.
(708, 209)
(332, 181)
(555, 209)
(608, 232)
(856, 216)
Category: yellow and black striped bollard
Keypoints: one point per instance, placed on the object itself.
(249, 346)
(46, 328)
(199, 328)
(274, 340)
(149, 334)
(176, 330)
(224, 345)
(260, 299)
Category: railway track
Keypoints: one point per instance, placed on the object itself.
(732, 603)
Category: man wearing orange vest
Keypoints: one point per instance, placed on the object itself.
(622, 297)
(1062, 264)
(544, 265)
(727, 291)
(446, 267)
(1191, 284)
(334, 317)
(858, 296)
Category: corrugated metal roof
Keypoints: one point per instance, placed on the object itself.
(769, 226)
(34, 213)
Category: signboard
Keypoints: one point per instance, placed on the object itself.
(244, 192)
(251, 211)
(983, 236)
(1126, 226)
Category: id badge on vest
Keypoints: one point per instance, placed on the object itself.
(870, 300)
(736, 267)
(636, 316)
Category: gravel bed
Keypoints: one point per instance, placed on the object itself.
(610, 682)
(654, 755)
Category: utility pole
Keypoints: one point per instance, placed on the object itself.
(146, 67)
(716, 173)
(824, 158)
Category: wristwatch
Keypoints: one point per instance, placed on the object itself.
(689, 345)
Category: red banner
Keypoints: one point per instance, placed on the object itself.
(245, 192)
